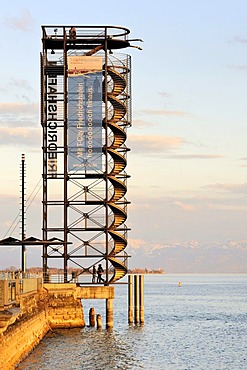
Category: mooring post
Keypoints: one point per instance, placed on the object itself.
(141, 299)
(99, 321)
(136, 298)
(130, 299)
(109, 313)
(91, 317)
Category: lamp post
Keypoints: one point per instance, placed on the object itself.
(23, 233)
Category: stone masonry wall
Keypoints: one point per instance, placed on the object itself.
(64, 309)
(20, 338)
(25, 329)
(36, 315)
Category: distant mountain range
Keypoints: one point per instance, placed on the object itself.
(186, 257)
(191, 257)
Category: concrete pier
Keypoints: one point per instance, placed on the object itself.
(130, 299)
(136, 299)
(141, 299)
(136, 290)
(109, 313)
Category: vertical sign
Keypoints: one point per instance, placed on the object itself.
(52, 125)
(84, 113)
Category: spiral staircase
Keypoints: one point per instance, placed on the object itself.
(117, 177)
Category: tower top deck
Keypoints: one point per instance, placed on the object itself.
(87, 37)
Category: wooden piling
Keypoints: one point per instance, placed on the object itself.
(91, 317)
(141, 299)
(130, 299)
(136, 299)
(99, 321)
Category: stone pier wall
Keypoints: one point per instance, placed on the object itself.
(54, 306)
(20, 338)
(22, 327)
(64, 309)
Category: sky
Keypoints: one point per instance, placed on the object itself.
(188, 159)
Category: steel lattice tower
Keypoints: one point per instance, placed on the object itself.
(85, 114)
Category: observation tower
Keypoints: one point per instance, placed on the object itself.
(85, 115)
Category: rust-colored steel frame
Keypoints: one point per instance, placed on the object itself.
(111, 208)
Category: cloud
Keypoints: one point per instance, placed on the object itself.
(21, 88)
(184, 206)
(154, 144)
(234, 188)
(23, 22)
(195, 156)
(16, 114)
(165, 94)
(20, 136)
(136, 243)
(155, 203)
(241, 40)
(21, 84)
(164, 112)
(139, 123)
(240, 67)
(226, 207)
(243, 164)
(10, 108)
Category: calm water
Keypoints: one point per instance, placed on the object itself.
(200, 325)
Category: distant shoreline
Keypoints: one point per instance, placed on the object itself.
(55, 271)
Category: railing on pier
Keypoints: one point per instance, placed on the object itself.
(14, 284)
(79, 277)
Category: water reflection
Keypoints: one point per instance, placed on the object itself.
(201, 325)
(87, 348)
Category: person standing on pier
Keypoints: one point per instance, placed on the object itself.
(73, 277)
(72, 33)
(94, 274)
(100, 272)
